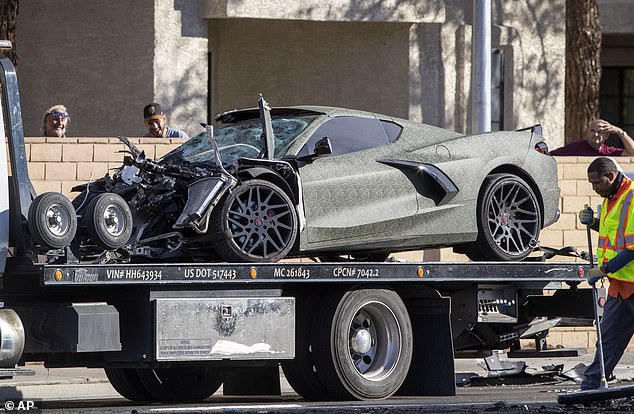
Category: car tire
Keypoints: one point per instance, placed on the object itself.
(108, 221)
(256, 222)
(182, 383)
(508, 218)
(362, 343)
(52, 220)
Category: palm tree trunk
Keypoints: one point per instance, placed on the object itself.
(583, 66)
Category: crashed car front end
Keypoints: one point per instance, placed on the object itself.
(172, 208)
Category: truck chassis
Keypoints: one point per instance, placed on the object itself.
(339, 330)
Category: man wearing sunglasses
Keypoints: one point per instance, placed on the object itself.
(55, 121)
(156, 123)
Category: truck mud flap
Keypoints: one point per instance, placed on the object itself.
(224, 328)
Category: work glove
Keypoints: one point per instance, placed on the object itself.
(595, 274)
(586, 216)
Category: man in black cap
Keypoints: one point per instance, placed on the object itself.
(156, 123)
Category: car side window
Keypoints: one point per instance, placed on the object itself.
(392, 130)
(348, 134)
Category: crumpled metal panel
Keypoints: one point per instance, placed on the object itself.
(225, 328)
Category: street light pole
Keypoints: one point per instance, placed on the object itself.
(481, 66)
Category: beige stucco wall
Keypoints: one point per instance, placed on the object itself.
(82, 54)
(332, 10)
(534, 34)
(617, 16)
(412, 60)
(180, 63)
(617, 26)
(106, 60)
(358, 65)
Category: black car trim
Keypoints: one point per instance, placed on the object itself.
(428, 180)
(239, 115)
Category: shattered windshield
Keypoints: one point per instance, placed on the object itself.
(243, 139)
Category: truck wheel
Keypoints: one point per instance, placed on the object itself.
(300, 372)
(362, 343)
(192, 383)
(52, 220)
(126, 382)
(108, 221)
(257, 222)
(509, 220)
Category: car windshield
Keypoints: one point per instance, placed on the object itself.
(243, 139)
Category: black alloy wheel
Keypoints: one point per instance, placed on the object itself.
(258, 222)
(509, 219)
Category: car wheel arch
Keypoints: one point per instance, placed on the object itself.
(515, 170)
(266, 174)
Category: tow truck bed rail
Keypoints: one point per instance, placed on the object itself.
(181, 273)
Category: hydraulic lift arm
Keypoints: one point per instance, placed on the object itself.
(18, 186)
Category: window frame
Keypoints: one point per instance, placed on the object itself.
(619, 97)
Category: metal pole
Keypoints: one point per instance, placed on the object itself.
(597, 322)
(481, 66)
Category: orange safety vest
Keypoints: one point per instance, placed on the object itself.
(616, 233)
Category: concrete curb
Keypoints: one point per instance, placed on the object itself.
(58, 384)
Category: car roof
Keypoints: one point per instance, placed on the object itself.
(238, 115)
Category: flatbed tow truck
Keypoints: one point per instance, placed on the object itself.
(177, 331)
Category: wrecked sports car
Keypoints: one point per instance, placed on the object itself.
(315, 182)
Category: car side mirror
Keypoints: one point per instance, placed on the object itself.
(322, 148)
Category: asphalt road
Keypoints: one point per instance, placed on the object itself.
(534, 391)
(473, 399)
(524, 394)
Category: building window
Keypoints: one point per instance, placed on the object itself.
(497, 90)
(616, 97)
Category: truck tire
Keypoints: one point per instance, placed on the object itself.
(108, 221)
(52, 220)
(509, 220)
(126, 382)
(362, 343)
(181, 384)
(300, 372)
(257, 222)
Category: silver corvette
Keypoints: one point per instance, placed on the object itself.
(313, 181)
(365, 185)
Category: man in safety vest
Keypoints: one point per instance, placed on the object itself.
(615, 259)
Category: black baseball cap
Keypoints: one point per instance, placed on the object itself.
(152, 111)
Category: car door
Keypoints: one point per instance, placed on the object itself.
(349, 196)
